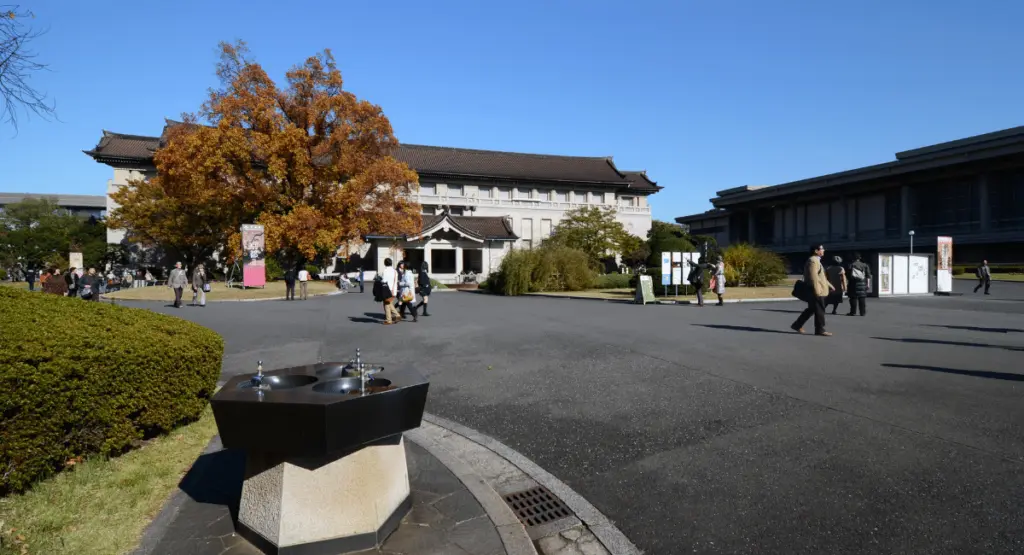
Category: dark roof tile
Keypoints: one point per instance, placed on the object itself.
(638, 180)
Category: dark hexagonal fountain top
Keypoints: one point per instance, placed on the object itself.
(318, 410)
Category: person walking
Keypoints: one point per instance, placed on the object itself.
(362, 276)
(90, 285)
(984, 274)
(54, 283)
(303, 280)
(719, 281)
(818, 288)
(389, 284)
(30, 277)
(696, 278)
(859, 285)
(72, 281)
(406, 291)
(423, 280)
(177, 281)
(837, 279)
(289, 284)
(200, 285)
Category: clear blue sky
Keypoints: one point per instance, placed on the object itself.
(703, 95)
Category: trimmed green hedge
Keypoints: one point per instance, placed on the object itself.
(81, 378)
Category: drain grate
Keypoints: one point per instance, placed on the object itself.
(537, 506)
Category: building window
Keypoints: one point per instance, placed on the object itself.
(427, 189)
(427, 209)
(545, 229)
(484, 192)
(442, 261)
(580, 197)
(472, 261)
(562, 196)
(455, 190)
(527, 234)
(457, 210)
(504, 193)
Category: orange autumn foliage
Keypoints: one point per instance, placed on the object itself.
(309, 161)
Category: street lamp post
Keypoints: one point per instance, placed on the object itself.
(911, 241)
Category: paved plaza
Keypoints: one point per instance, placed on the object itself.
(716, 429)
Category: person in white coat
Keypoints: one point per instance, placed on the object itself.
(406, 291)
(390, 278)
(720, 281)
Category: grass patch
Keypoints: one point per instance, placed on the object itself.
(102, 506)
(220, 292)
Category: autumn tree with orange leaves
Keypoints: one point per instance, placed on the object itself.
(310, 162)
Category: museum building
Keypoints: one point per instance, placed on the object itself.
(477, 204)
(971, 189)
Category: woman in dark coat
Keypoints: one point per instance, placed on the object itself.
(423, 282)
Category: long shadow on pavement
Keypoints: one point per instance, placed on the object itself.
(778, 310)
(977, 328)
(360, 320)
(955, 343)
(741, 328)
(974, 373)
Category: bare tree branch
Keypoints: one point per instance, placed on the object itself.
(17, 65)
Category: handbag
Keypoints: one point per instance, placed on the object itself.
(801, 290)
(713, 283)
(407, 296)
(206, 287)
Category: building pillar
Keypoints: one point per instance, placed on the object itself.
(791, 239)
(458, 260)
(851, 218)
(426, 255)
(905, 212)
(752, 226)
(984, 204)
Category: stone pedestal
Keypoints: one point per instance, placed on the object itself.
(305, 506)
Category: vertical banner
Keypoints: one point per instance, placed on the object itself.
(75, 261)
(677, 268)
(944, 266)
(666, 268)
(253, 265)
(885, 274)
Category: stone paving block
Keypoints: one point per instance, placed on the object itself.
(477, 536)
(574, 541)
(459, 506)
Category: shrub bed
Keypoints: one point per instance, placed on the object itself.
(753, 267)
(549, 268)
(613, 281)
(80, 378)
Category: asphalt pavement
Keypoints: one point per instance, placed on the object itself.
(716, 429)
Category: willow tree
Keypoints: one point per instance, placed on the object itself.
(308, 160)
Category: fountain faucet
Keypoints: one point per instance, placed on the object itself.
(257, 380)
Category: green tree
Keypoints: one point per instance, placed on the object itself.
(33, 230)
(666, 237)
(595, 231)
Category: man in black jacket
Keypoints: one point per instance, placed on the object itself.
(289, 284)
(859, 279)
(71, 278)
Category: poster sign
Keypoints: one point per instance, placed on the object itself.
(75, 261)
(944, 266)
(885, 274)
(253, 264)
(644, 290)
(666, 268)
(677, 268)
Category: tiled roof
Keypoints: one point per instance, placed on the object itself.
(482, 227)
(640, 181)
(509, 165)
(436, 161)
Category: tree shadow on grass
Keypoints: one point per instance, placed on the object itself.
(973, 373)
(978, 328)
(742, 328)
(954, 343)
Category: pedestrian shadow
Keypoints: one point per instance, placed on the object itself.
(361, 320)
(977, 328)
(954, 343)
(741, 328)
(779, 310)
(974, 373)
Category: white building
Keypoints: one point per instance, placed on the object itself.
(477, 204)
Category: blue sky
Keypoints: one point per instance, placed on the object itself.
(703, 95)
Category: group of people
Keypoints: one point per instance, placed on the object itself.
(86, 286)
(717, 271)
(179, 280)
(826, 287)
(397, 289)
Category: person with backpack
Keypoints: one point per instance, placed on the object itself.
(984, 277)
(859, 285)
(384, 287)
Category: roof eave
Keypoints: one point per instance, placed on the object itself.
(440, 174)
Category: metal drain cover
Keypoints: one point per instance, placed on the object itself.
(537, 506)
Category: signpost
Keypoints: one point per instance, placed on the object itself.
(666, 270)
(644, 290)
(944, 266)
